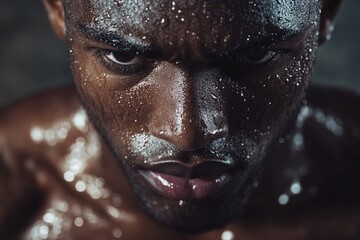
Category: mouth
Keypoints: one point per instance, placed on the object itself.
(175, 180)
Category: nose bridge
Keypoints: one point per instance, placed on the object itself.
(210, 103)
(185, 110)
(193, 113)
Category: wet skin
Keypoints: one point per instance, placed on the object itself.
(193, 101)
(197, 102)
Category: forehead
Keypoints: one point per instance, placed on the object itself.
(226, 22)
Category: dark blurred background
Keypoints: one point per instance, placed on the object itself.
(31, 58)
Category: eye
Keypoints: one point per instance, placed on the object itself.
(259, 58)
(121, 58)
(124, 63)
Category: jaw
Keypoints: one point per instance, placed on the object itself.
(190, 216)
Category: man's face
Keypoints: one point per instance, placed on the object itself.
(190, 95)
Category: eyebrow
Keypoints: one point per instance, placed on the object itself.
(137, 46)
(112, 38)
(278, 37)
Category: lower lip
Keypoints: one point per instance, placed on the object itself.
(181, 188)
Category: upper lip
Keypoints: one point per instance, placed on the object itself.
(195, 169)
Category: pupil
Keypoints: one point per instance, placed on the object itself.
(257, 56)
(122, 57)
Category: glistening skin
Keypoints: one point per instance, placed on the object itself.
(188, 102)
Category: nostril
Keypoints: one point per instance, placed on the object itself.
(191, 130)
(204, 137)
(191, 137)
(216, 134)
(221, 132)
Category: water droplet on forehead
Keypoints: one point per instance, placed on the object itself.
(118, 2)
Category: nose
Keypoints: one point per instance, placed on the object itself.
(190, 109)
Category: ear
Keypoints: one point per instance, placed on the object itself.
(329, 11)
(56, 15)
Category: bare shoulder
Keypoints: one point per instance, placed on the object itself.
(340, 101)
(26, 127)
(323, 165)
(333, 124)
(18, 121)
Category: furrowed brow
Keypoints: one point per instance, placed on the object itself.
(113, 39)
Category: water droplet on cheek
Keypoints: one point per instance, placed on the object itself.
(164, 22)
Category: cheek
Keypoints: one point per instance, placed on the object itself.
(89, 82)
(267, 98)
(117, 110)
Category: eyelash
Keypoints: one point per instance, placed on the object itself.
(119, 68)
(269, 56)
(144, 66)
